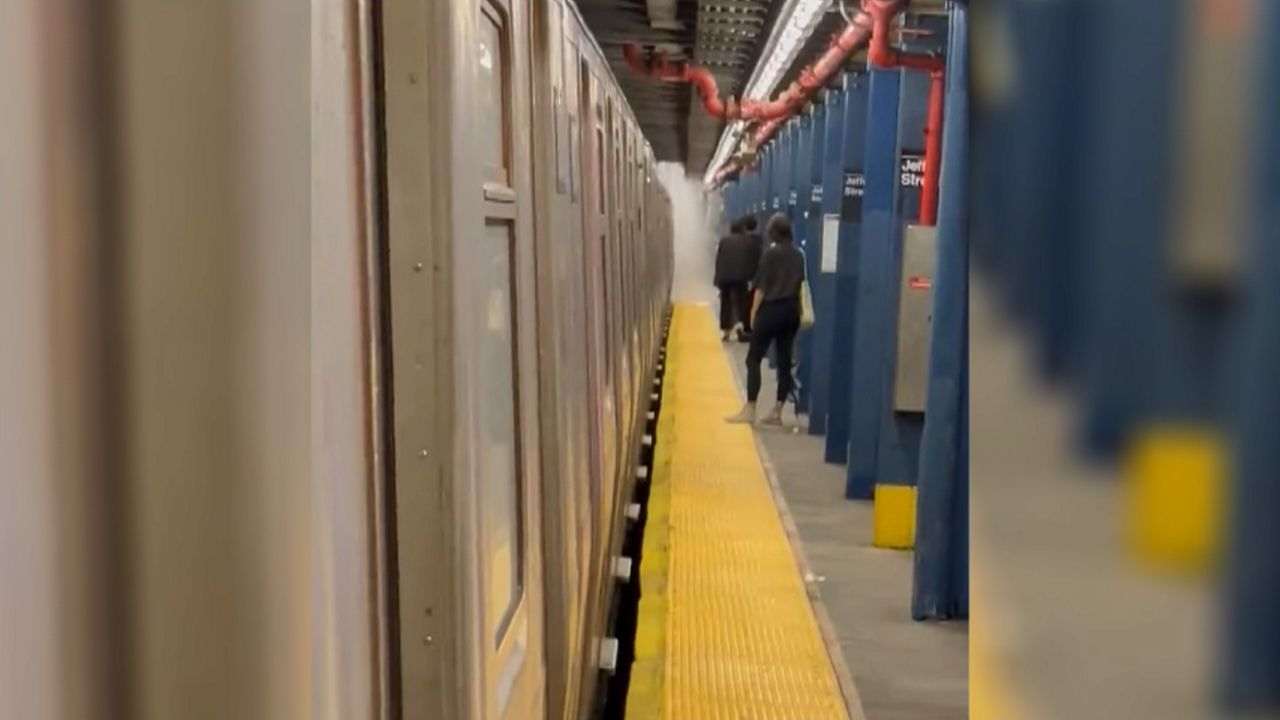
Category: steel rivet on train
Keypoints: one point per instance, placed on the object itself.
(417, 267)
(422, 453)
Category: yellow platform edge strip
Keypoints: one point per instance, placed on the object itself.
(645, 697)
(726, 630)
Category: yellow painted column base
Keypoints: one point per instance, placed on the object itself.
(894, 517)
(1176, 488)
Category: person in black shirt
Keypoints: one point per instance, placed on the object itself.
(736, 260)
(757, 245)
(775, 317)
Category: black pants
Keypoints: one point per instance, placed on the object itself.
(777, 321)
(735, 304)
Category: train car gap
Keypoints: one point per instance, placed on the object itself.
(613, 704)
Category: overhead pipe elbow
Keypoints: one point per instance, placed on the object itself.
(660, 68)
(705, 82)
(881, 52)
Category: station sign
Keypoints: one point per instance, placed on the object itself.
(855, 186)
(911, 170)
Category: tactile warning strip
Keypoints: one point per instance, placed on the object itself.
(726, 629)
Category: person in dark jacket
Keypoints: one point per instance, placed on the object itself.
(751, 229)
(736, 260)
(775, 317)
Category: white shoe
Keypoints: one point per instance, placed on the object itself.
(745, 416)
(775, 417)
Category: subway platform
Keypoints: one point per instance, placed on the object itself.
(763, 597)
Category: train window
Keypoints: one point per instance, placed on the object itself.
(600, 165)
(571, 106)
(494, 109)
(600, 157)
(558, 100)
(498, 467)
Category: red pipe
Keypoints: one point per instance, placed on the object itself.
(663, 69)
(871, 26)
(933, 149)
(855, 35)
(883, 54)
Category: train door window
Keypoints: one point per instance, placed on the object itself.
(490, 328)
(498, 465)
(600, 161)
(494, 110)
(494, 302)
(555, 44)
(571, 111)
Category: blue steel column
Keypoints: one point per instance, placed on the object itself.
(828, 163)
(877, 279)
(941, 587)
(757, 187)
(1126, 220)
(898, 451)
(1250, 679)
(810, 220)
(1051, 82)
(858, 89)
(799, 188)
(799, 171)
(781, 180)
(767, 179)
(732, 190)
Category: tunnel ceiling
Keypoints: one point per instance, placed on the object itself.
(724, 36)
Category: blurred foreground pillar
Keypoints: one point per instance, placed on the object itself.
(1250, 677)
(941, 588)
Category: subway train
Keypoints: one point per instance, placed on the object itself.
(330, 332)
(529, 264)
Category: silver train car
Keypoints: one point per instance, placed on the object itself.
(529, 265)
(329, 332)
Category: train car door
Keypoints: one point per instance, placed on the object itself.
(498, 337)
(469, 576)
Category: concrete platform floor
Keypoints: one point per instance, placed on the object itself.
(902, 669)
